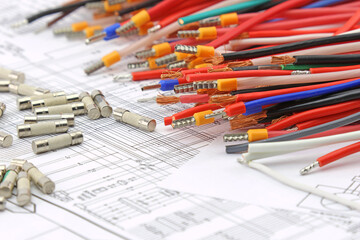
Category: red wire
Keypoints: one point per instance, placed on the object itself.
(201, 70)
(149, 75)
(318, 121)
(257, 95)
(162, 8)
(302, 13)
(191, 111)
(262, 16)
(339, 153)
(333, 69)
(314, 114)
(235, 74)
(349, 24)
(307, 22)
(339, 130)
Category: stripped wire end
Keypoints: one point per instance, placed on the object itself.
(19, 23)
(150, 87)
(209, 22)
(123, 77)
(94, 67)
(171, 74)
(309, 168)
(282, 60)
(235, 137)
(154, 29)
(95, 38)
(135, 65)
(216, 60)
(125, 27)
(145, 53)
(177, 64)
(184, 122)
(188, 34)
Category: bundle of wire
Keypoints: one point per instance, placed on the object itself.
(290, 67)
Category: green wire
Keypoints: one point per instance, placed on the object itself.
(219, 11)
(307, 67)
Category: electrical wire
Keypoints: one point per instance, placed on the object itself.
(239, 44)
(253, 95)
(41, 14)
(322, 120)
(141, 5)
(252, 82)
(323, 50)
(326, 59)
(332, 157)
(323, 3)
(255, 106)
(248, 54)
(349, 24)
(219, 11)
(312, 114)
(235, 74)
(311, 103)
(300, 186)
(299, 134)
(262, 16)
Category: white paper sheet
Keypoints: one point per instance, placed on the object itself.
(231, 180)
(106, 188)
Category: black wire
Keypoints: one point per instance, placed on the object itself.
(137, 7)
(326, 59)
(323, 101)
(58, 9)
(248, 54)
(270, 88)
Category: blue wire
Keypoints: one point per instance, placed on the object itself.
(322, 3)
(256, 105)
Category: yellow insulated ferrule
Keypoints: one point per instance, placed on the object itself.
(227, 84)
(207, 33)
(229, 19)
(200, 118)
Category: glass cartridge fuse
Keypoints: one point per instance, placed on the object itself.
(136, 120)
(55, 101)
(57, 142)
(8, 183)
(11, 75)
(104, 106)
(2, 172)
(77, 108)
(6, 140)
(2, 108)
(27, 90)
(4, 85)
(92, 109)
(23, 189)
(42, 128)
(25, 102)
(31, 119)
(2, 203)
(41, 181)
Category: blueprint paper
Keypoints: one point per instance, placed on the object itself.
(106, 188)
(231, 180)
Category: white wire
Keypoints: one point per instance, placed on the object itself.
(300, 186)
(325, 50)
(173, 27)
(297, 145)
(239, 44)
(251, 82)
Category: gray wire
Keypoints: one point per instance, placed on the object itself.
(299, 134)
